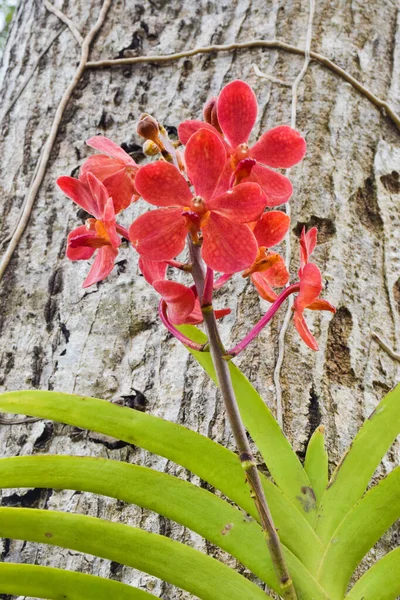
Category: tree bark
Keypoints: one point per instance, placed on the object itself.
(108, 341)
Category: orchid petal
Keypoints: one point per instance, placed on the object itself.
(243, 203)
(188, 128)
(222, 280)
(276, 274)
(222, 312)
(152, 270)
(262, 286)
(205, 158)
(271, 228)
(102, 266)
(310, 287)
(228, 247)
(237, 112)
(321, 304)
(109, 224)
(180, 299)
(107, 146)
(80, 194)
(224, 183)
(281, 147)
(161, 184)
(98, 191)
(277, 187)
(304, 332)
(120, 186)
(78, 247)
(196, 316)
(101, 166)
(159, 234)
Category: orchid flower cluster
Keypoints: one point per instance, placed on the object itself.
(218, 193)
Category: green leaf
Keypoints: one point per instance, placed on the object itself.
(357, 466)
(183, 502)
(155, 554)
(358, 532)
(55, 584)
(276, 450)
(210, 461)
(380, 581)
(316, 463)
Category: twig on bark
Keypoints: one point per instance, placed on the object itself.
(386, 347)
(288, 250)
(44, 158)
(63, 17)
(270, 78)
(276, 44)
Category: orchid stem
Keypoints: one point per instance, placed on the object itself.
(247, 460)
(291, 289)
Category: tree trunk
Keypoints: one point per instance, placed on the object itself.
(108, 341)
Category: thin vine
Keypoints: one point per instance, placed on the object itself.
(288, 315)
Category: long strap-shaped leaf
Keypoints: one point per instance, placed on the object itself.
(353, 474)
(54, 584)
(381, 581)
(210, 461)
(316, 463)
(155, 554)
(281, 460)
(185, 503)
(358, 532)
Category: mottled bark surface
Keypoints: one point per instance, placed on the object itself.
(107, 341)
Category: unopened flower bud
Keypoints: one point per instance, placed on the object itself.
(147, 128)
(210, 113)
(150, 148)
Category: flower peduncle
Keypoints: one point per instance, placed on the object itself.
(291, 289)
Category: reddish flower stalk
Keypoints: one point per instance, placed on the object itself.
(208, 288)
(162, 311)
(291, 289)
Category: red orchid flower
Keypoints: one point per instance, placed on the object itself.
(115, 169)
(228, 244)
(269, 269)
(310, 288)
(99, 233)
(234, 113)
(308, 297)
(183, 306)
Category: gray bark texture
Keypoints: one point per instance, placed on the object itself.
(107, 341)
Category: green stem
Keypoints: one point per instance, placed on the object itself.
(248, 462)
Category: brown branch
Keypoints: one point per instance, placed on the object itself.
(275, 44)
(44, 158)
(385, 347)
(63, 17)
